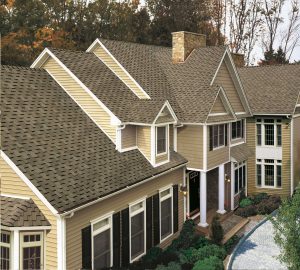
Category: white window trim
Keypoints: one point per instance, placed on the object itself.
(31, 244)
(166, 138)
(263, 163)
(262, 123)
(9, 246)
(239, 165)
(102, 229)
(132, 214)
(160, 201)
(233, 140)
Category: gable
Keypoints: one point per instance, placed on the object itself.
(225, 80)
(116, 67)
(165, 116)
(218, 106)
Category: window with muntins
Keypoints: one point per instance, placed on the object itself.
(268, 173)
(217, 136)
(102, 243)
(161, 140)
(5, 250)
(137, 230)
(268, 132)
(237, 130)
(166, 213)
(239, 177)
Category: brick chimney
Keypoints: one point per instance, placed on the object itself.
(183, 43)
(238, 59)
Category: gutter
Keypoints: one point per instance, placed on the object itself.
(71, 212)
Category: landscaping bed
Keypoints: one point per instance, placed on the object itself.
(259, 204)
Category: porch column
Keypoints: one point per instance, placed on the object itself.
(221, 209)
(15, 250)
(203, 201)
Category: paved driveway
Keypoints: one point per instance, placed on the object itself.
(259, 251)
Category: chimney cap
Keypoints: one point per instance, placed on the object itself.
(187, 32)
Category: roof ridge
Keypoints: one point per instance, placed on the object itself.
(273, 65)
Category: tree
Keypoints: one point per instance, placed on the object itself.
(274, 58)
(287, 231)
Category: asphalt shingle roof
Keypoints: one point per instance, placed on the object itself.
(271, 89)
(57, 146)
(241, 152)
(17, 212)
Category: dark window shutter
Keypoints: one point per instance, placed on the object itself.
(175, 208)
(156, 220)
(125, 237)
(210, 138)
(116, 240)
(149, 223)
(86, 245)
(226, 134)
(242, 127)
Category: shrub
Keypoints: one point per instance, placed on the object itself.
(245, 202)
(168, 256)
(247, 211)
(152, 257)
(231, 243)
(200, 241)
(170, 266)
(266, 207)
(210, 263)
(216, 230)
(275, 199)
(259, 197)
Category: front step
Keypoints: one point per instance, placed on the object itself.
(235, 228)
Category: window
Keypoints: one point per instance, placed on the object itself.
(217, 136)
(161, 140)
(166, 213)
(237, 130)
(137, 230)
(5, 251)
(31, 250)
(268, 173)
(268, 132)
(239, 177)
(102, 243)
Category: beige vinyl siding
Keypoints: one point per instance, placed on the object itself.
(190, 145)
(217, 157)
(128, 136)
(286, 161)
(82, 218)
(161, 158)
(296, 148)
(218, 106)
(225, 80)
(12, 184)
(91, 107)
(113, 65)
(144, 140)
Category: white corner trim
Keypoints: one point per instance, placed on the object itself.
(205, 148)
(61, 243)
(153, 145)
(99, 102)
(28, 183)
(166, 104)
(98, 42)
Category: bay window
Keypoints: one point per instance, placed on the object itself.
(237, 130)
(161, 140)
(102, 243)
(268, 173)
(166, 213)
(137, 230)
(239, 177)
(5, 250)
(31, 252)
(268, 132)
(217, 136)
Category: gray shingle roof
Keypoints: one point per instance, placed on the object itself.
(241, 152)
(185, 85)
(56, 145)
(17, 212)
(271, 89)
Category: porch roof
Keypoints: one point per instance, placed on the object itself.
(241, 152)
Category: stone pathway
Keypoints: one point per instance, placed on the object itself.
(259, 251)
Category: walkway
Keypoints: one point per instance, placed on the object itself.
(259, 251)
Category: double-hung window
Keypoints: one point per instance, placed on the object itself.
(102, 243)
(166, 213)
(237, 130)
(31, 250)
(268, 173)
(5, 251)
(161, 140)
(239, 177)
(217, 136)
(268, 132)
(137, 230)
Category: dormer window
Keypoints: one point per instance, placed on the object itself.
(161, 140)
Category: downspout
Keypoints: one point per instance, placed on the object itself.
(118, 137)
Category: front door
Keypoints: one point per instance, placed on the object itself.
(194, 191)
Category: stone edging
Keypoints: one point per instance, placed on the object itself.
(245, 237)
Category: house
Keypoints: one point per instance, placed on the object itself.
(118, 145)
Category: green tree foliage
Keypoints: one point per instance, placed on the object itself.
(216, 230)
(287, 231)
(274, 57)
